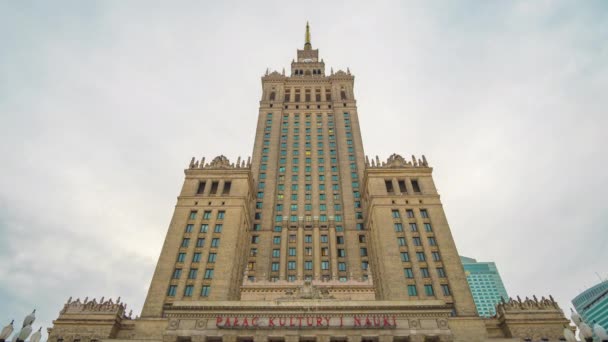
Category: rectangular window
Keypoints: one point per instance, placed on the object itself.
(341, 253)
(446, 290)
(276, 253)
(436, 256)
(401, 241)
(275, 266)
(189, 228)
(205, 291)
(417, 241)
(402, 187)
(214, 186)
(253, 252)
(292, 251)
(415, 185)
(207, 215)
(251, 265)
(324, 239)
(441, 272)
(215, 242)
(291, 265)
(192, 273)
(196, 257)
(428, 290)
(408, 273)
(341, 266)
(221, 214)
(424, 213)
(181, 257)
(218, 228)
(364, 265)
(192, 215)
(413, 227)
(410, 213)
(363, 251)
(398, 227)
(172, 290)
(200, 242)
(208, 273)
(389, 186)
(308, 238)
(185, 242)
(188, 290)
(411, 290)
(227, 186)
(339, 239)
(432, 241)
(211, 257)
(405, 257)
(255, 239)
(324, 265)
(361, 238)
(420, 256)
(308, 265)
(201, 187)
(204, 228)
(425, 272)
(276, 240)
(177, 273)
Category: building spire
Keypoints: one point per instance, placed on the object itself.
(307, 45)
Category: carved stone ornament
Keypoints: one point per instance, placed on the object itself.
(220, 162)
(173, 324)
(396, 160)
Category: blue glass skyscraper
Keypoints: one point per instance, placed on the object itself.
(486, 285)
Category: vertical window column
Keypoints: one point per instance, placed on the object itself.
(333, 252)
(284, 251)
(300, 255)
(316, 252)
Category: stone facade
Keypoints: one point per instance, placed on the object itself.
(308, 241)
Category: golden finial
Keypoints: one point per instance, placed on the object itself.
(307, 45)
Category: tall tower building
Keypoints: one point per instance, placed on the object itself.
(308, 240)
(486, 285)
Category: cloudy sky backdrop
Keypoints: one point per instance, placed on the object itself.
(103, 103)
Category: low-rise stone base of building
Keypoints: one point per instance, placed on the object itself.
(320, 320)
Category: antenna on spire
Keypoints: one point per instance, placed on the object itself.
(307, 45)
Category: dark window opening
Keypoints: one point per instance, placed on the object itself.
(415, 186)
(343, 95)
(402, 187)
(214, 186)
(227, 186)
(389, 186)
(201, 188)
(272, 96)
(328, 95)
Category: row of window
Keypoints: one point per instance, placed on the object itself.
(189, 291)
(413, 227)
(192, 273)
(204, 228)
(401, 184)
(416, 241)
(207, 215)
(213, 190)
(420, 256)
(196, 257)
(428, 290)
(424, 271)
(409, 213)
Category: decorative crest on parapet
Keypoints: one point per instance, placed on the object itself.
(396, 161)
(93, 306)
(274, 75)
(533, 303)
(219, 162)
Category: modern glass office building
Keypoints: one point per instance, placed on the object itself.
(486, 285)
(592, 304)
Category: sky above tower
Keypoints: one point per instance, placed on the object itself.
(103, 103)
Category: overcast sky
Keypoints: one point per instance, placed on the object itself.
(102, 105)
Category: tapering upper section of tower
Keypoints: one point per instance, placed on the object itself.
(308, 63)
